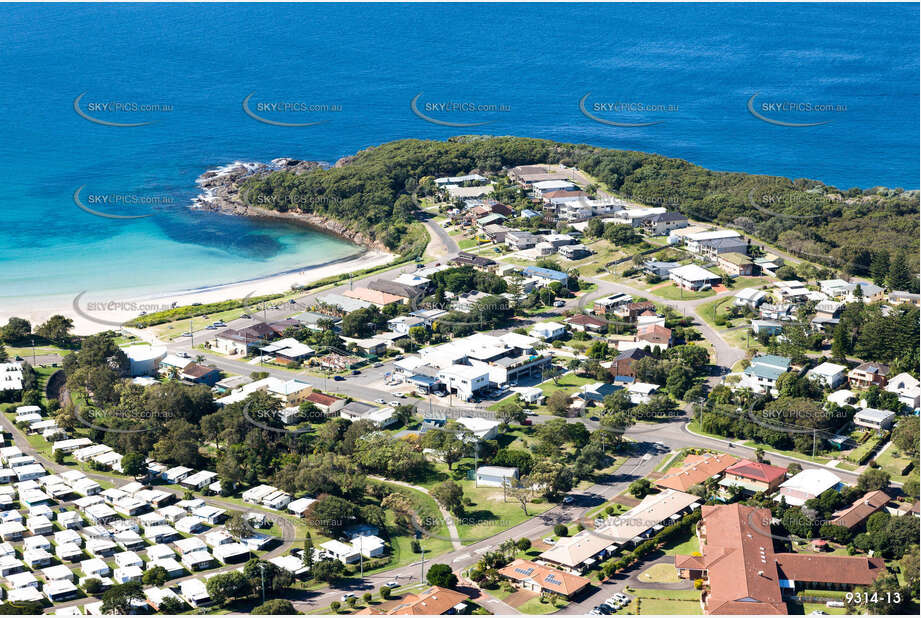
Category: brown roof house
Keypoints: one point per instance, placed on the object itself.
(434, 601)
(753, 476)
(860, 511)
(543, 579)
(743, 574)
(695, 470)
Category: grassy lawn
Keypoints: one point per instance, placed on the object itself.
(894, 462)
(536, 607)
(600, 510)
(660, 607)
(603, 251)
(568, 383)
(685, 548)
(660, 574)
(467, 243)
(673, 292)
(694, 427)
(665, 595)
(808, 608)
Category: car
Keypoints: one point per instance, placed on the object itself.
(338, 378)
(291, 301)
(393, 403)
(347, 596)
(380, 401)
(594, 612)
(392, 584)
(183, 355)
(549, 541)
(568, 500)
(378, 364)
(245, 315)
(559, 303)
(186, 334)
(355, 372)
(401, 395)
(211, 327)
(527, 421)
(219, 323)
(605, 610)
(398, 357)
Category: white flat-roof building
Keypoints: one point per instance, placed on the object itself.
(830, 375)
(873, 418)
(495, 476)
(806, 485)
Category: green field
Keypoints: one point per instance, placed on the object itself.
(673, 292)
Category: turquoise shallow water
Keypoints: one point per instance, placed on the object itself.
(700, 62)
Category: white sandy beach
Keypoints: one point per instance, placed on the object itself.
(115, 308)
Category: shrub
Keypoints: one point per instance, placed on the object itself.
(561, 530)
(335, 605)
(385, 592)
(698, 584)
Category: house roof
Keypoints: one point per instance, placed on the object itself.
(695, 470)
(372, 296)
(875, 368)
(431, 602)
(194, 370)
(862, 508)
(693, 272)
(585, 320)
(654, 333)
(746, 575)
(757, 471)
(546, 577)
(321, 399)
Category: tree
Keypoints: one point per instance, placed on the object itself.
(330, 514)
(92, 585)
(450, 495)
(899, 276)
(226, 586)
(335, 605)
(237, 525)
(872, 480)
(905, 435)
(840, 344)
(522, 492)
(679, 380)
(307, 556)
(328, 570)
(56, 329)
(441, 575)
(134, 464)
(640, 488)
(276, 607)
(551, 478)
(385, 592)
(156, 576)
(118, 599)
(15, 331)
(560, 530)
(558, 403)
(908, 565)
(879, 266)
(523, 544)
(172, 606)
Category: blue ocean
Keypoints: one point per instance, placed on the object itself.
(706, 83)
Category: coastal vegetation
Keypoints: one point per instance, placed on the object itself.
(372, 192)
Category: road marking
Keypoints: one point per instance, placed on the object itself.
(482, 550)
(461, 557)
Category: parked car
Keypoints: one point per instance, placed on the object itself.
(380, 401)
(568, 500)
(338, 378)
(393, 403)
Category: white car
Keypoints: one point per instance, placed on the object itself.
(392, 585)
(393, 403)
(568, 500)
(347, 595)
(380, 401)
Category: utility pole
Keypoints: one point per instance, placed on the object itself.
(361, 556)
(262, 574)
(191, 334)
(33, 351)
(813, 442)
(421, 564)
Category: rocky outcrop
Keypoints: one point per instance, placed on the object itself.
(221, 193)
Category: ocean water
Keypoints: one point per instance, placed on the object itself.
(689, 68)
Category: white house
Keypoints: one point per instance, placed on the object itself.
(194, 592)
(548, 331)
(340, 551)
(873, 418)
(465, 381)
(693, 277)
(495, 476)
(369, 546)
(762, 374)
(807, 485)
(749, 297)
(830, 375)
(482, 428)
(907, 388)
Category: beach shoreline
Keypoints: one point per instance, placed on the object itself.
(93, 313)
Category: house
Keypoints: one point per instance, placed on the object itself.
(542, 579)
(194, 592)
(630, 311)
(198, 480)
(342, 303)
(661, 224)
(144, 360)
(471, 259)
(401, 325)
(907, 388)
(857, 513)
(641, 392)
(292, 564)
(584, 323)
(623, 363)
(548, 331)
(767, 327)
(660, 269)
(655, 335)
(574, 252)
(546, 275)
(231, 552)
(481, 428)
(869, 292)
(762, 374)
(200, 374)
(597, 391)
(465, 381)
(287, 351)
(327, 404)
(873, 418)
(519, 240)
(156, 596)
(829, 375)
(834, 288)
(698, 242)
(495, 476)
(369, 546)
(609, 304)
(806, 485)
(843, 397)
(197, 560)
(381, 417)
(866, 374)
(637, 217)
(434, 601)
(753, 476)
(338, 550)
(695, 470)
(897, 298)
(743, 574)
(693, 277)
(543, 187)
(375, 297)
(735, 264)
(235, 342)
(299, 507)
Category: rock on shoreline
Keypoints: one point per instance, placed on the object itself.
(221, 193)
